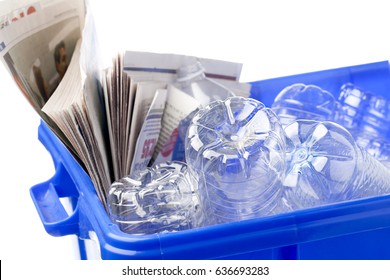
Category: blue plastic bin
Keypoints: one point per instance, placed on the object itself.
(349, 230)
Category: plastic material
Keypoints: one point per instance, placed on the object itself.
(357, 229)
(374, 130)
(300, 101)
(376, 117)
(380, 149)
(367, 116)
(159, 199)
(352, 102)
(326, 166)
(193, 81)
(237, 148)
(46, 197)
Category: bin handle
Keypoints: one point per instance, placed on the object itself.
(46, 197)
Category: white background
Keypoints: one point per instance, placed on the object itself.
(271, 38)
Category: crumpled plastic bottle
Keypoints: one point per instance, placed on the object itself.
(159, 199)
(374, 127)
(325, 165)
(352, 102)
(379, 149)
(237, 149)
(367, 116)
(301, 101)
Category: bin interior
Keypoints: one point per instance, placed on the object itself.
(348, 230)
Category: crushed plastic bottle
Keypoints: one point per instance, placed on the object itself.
(326, 166)
(192, 80)
(374, 126)
(156, 200)
(367, 116)
(237, 149)
(352, 102)
(379, 149)
(301, 101)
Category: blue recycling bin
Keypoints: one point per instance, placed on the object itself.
(357, 229)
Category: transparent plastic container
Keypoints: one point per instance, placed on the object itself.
(367, 116)
(326, 166)
(352, 230)
(374, 127)
(159, 199)
(379, 149)
(352, 103)
(237, 149)
(301, 101)
(192, 80)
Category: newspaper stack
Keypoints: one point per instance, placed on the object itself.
(114, 121)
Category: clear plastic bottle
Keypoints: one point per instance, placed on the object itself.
(367, 117)
(192, 80)
(352, 102)
(159, 199)
(301, 101)
(374, 124)
(237, 149)
(379, 149)
(326, 166)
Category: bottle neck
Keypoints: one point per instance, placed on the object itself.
(190, 72)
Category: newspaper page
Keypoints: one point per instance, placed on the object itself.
(115, 88)
(36, 43)
(144, 97)
(149, 132)
(127, 100)
(179, 105)
(77, 107)
(158, 65)
(68, 107)
(125, 96)
(41, 45)
(169, 63)
(141, 92)
(37, 40)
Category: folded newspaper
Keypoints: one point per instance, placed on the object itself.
(37, 39)
(130, 86)
(48, 47)
(114, 121)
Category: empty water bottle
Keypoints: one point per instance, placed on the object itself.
(326, 166)
(379, 149)
(192, 80)
(159, 199)
(374, 126)
(237, 149)
(352, 102)
(301, 101)
(367, 117)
